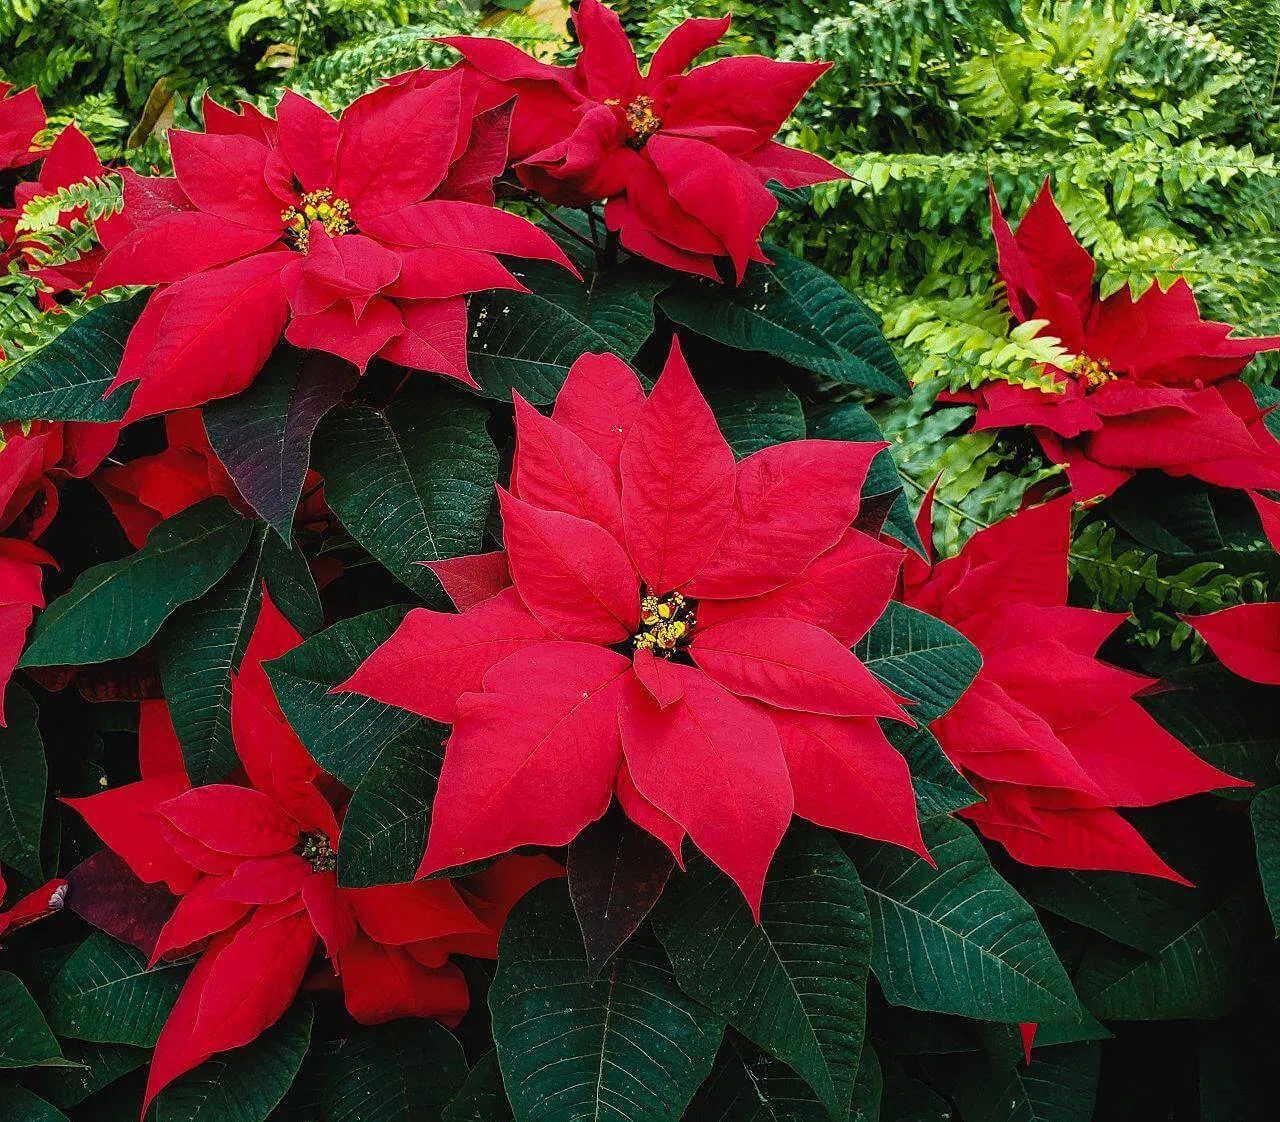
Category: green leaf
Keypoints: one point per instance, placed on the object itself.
(402, 1070)
(958, 939)
(754, 410)
(21, 1105)
(940, 789)
(25, 1038)
(113, 610)
(384, 833)
(24, 776)
(869, 1088)
(243, 1085)
(94, 1066)
(747, 1085)
(105, 992)
(920, 657)
(204, 642)
(344, 731)
(66, 380)
(795, 984)
(1059, 1085)
(1265, 815)
(263, 435)
(482, 1098)
(630, 1047)
(524, 342)
(1201, 970)
(414, 482)
(616, 303)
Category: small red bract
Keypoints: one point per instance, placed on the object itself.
(359, 236)
(676, 631)
(1047, 734)
(254, 862)
(1153, 385)
(682, 159)
(21, 120)
(1246, 638)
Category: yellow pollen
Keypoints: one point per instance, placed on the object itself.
(316, 206)
(641, 119)
(666, 621)
(1092, 372)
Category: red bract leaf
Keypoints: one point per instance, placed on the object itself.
(556, 470)
(1246, 639)
(471, 175)
(433, 658)
(240, 988)
(469, 581)
(226, 176)
(792, 665)
(21, 118)
(266, 880)
(399, 914)
(200, 914)
(677, 481)
(107, 894)
(434, 337)
(647, 816)
(571, 574)
(847, 776)
(232, 820)
(385, 983)
(658, 677)
(532, 759)
(792, 503)
(715, 766)
(600, 401)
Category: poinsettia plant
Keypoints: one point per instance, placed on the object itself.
(469, 651)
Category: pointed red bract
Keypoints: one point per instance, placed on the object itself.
(1152, 386)
(543, 703)
(1052, 739)
(682, 160)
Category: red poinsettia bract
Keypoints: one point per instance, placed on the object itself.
(45, 901)
(1152, 386)
(359, 236)
(676, 631)
(21, 121)
(71, 159)
(1246, 638)
(1048, 735)
(33, 460)
(682, 159)
(253, 864)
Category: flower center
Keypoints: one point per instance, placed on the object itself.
(1092, 372)
(641, 119)
(316, 851)
(666, 623)
(316, 206)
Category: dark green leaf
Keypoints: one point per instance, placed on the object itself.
(747, 1085)
(1265, 814)
(795, 984)
(405, 1070)
(21, 1105)
(384, 833)
(1201, 970)
(940, 789)
(263, 435)
(482, 1098)
(25, 1039)
(920, 657)
(243, 1085)
(204, 642)
(113, 610)
(105, 992)
(414, 482)
(754, 411)
(628, 1048)
(869, 1088)
(524, 342)
(96, 1066)
(344, 732)
(958, 939)
(1059, 1085)
(616, 873)
(66, 380)
(23, 778)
